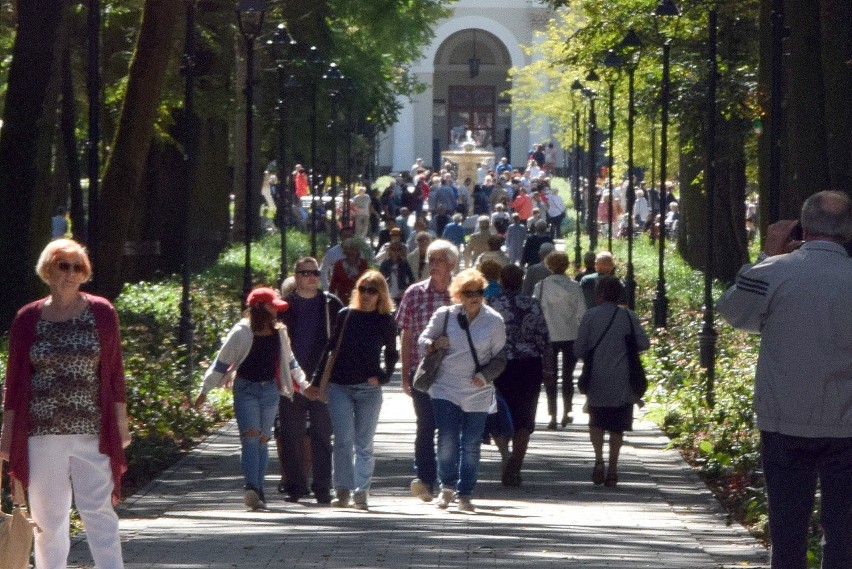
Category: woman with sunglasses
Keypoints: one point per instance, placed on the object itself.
(361, 331)
(65, 412)
(473, 336)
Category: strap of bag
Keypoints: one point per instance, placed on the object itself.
(608, 326)
(332, 357)
(470, 343)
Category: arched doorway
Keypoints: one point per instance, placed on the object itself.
(469, 83)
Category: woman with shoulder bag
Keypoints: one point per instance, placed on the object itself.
(352, 373)
(609, 395)
(463, 391)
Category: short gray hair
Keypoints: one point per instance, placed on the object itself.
(545, 249)
(828, 214)
(540, 225)
(444, 247)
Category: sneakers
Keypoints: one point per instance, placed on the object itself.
(359, 500)
(420, 489)
(465, 506)
(445, 498)
(341, 498)
(253, 498)
(567, 419)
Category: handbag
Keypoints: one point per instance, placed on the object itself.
(329, 362)
(16, 530)
(637, 377)
(427, 369)
(586, 374)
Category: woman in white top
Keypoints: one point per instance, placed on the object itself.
(563, 304)
(463, 391)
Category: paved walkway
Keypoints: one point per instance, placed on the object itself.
(660, 515)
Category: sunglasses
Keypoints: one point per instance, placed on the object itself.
(473, 293)
(368, 290)
(308, 273)
(65, 267)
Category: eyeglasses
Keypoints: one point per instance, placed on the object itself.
(65, 267)
(308, 273)
(473, 293)
(368, 290)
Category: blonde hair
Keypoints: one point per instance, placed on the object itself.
(467, 279)
(373, 278)
(60, 248)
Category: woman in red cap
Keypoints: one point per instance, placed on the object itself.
(256, 355)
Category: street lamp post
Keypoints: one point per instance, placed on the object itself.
(707, 336)
(349, 91)
(313, 61)
(591, 206)
(283, 44)
(631, 46)
(250, 14)
(611, 61)
(666, 8)
(577, 86)
(190, 144)
(334, 79)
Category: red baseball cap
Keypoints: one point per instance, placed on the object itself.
(266, 295)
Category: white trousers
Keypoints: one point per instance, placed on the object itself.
(62, 466)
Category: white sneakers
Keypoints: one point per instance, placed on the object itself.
(420, 489)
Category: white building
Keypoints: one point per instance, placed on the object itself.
(465, 69)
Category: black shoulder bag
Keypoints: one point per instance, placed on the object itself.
(638, 380)
(586, 375)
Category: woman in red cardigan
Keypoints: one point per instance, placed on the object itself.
(64, 409)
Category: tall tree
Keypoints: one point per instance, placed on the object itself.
(122, 182)
(34, 58)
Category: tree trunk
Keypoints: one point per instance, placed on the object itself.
(71, 152)
(122, 182)
(33, 61)
(836, 19)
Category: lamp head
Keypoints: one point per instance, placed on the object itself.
(576, 85)
(250, 14)
(666, 8)
(592, 76)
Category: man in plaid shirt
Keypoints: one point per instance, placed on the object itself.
(419, 302)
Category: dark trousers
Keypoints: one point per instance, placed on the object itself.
(569, 361)
(425, 463)
(293, 419)
(791, 467)
(555, 223)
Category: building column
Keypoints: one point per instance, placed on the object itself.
(403, 136)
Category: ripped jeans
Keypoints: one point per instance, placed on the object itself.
(255, 407)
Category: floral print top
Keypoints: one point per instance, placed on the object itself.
(526, 329)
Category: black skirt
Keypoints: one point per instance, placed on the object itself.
(520, 385)
(612, 419)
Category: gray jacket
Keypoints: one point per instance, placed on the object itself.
(801, 306)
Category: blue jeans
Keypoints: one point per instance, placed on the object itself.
(425, 465)
(459, 441)
(255, 407)
(354, 411)
(791, 467)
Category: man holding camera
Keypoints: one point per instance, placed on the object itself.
(797, 298)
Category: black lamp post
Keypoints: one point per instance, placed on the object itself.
(349, 93)
(283, 44)
(775, 111)
(665, 9)
(707, 336)
(190, 144)
(592, 205)
(93, 84)
(631, 47)
(250, 14)
(334, 79)
(611, 61)
(314, 61)
(577, 86)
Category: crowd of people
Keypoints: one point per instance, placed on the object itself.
(307, 364)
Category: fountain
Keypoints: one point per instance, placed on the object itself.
(468, 157)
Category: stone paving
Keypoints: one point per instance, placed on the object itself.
(659, 516)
